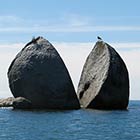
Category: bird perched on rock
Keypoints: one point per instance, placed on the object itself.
(99, 38)
(34, 40)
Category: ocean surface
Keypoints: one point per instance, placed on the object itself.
(83, 124)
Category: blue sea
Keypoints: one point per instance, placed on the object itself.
(83, 124)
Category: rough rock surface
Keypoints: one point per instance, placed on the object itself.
(21, 103)
(39, 74)
(8, 102)
(104, 83)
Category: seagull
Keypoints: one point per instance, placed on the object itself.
(34, 40)
(99, 38)
(100, 41)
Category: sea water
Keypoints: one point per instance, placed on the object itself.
(83, 124)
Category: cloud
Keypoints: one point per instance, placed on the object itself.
(66, 23)
(9, 18)
(75, 20)
(65, 28)
(11, 46)
(74, 56)
(131, 59)
(10, 21)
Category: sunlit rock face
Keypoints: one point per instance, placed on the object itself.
(8, 102)
(104, 82)
(39, 75)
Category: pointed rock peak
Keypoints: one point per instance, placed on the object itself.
(38, 40)
(100, 43)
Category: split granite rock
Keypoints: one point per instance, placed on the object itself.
(104, 82)
(39, 74)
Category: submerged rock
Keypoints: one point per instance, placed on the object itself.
(104, 83)
(39, 74)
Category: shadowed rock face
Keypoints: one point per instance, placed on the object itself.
(104, 83)
(39, 74)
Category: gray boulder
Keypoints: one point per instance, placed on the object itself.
(21, 103)
(39, 74)
(104, 82)
(8, 102)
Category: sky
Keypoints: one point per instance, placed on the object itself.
(72, 26)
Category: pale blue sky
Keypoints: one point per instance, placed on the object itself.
(72, 25)
(70, 20)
